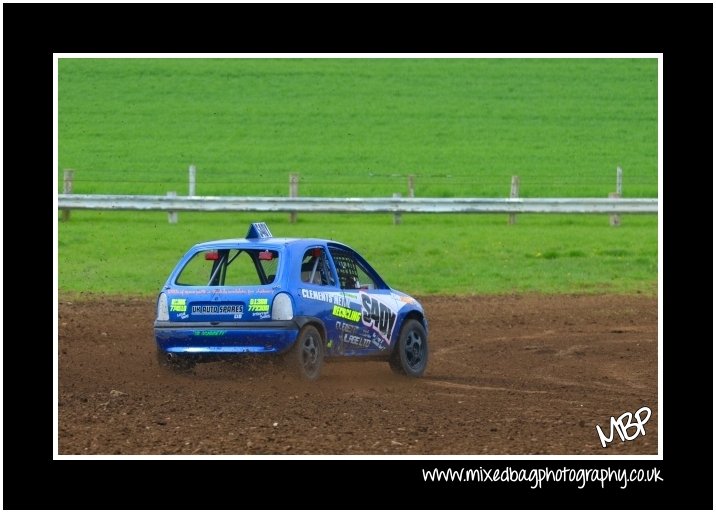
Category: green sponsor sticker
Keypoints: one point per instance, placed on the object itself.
(178, 305)
(346, 313)
(258, 305)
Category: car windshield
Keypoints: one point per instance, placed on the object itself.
(230, 267)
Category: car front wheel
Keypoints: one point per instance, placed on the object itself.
(410, 356)
(306, 355)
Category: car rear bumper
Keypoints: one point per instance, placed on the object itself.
(229, 337)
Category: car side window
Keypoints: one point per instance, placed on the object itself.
(315, 268)
(351, 273)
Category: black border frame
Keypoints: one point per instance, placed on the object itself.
(32, 33)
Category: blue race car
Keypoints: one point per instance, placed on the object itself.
(307, 299)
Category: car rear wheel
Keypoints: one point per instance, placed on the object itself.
(306, 355)
(410, 356)
(175, 362)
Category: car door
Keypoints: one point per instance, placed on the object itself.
(321, 297)
(367, 325)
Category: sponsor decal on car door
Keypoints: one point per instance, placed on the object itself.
(367, 324)
(379, 314)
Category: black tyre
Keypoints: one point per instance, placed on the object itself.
(305, 358)
(175, 362)
(410, 356)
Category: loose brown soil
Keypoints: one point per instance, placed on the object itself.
(507, 375)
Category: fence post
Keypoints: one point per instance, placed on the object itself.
(192, 180)
(411, 186)
(292, 193)
(68, 178)
(173, 216)
(514, 193)
(615, 219)
(396, 215)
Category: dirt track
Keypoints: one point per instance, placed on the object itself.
(507, 375)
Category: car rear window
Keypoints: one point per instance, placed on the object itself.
(230, 267)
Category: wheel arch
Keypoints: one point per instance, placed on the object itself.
(418, 316)
(315, 322)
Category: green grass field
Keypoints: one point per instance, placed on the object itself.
(359, 127)
(426, 254)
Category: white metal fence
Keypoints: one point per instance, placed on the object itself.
(395, 205)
